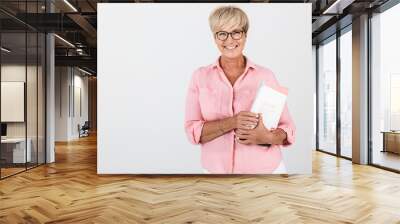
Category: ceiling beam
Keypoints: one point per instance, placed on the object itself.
(83, 61)
(337, 6)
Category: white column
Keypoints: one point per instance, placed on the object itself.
(50, 92)
(50, 110)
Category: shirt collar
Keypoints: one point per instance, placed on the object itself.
(249, 64)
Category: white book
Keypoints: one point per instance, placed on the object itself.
(270, 101)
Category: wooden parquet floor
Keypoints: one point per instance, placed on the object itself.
(70, 191)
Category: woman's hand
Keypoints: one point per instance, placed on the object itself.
(246, 120)
(260, 135)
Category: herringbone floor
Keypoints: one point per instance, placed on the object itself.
(70, 191)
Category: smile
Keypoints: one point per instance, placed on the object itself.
(231, 47)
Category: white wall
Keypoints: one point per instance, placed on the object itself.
(80, 84)
(61, 103)
(68, 81)
(145, 63)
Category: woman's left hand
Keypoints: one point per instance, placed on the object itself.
(258, 135)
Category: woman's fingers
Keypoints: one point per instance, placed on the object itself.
(248, 114)
(247, 125)
(242, 136)
(243, 141)
(242, 131)
(246, 120)
(250, 119)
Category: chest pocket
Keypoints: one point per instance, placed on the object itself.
(210, 102)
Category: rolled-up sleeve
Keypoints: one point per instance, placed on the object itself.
(194, 121)
(285, 122)
(287, 125)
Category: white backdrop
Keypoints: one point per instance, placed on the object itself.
(146, 56)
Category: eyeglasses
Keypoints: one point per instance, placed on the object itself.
(223, 35)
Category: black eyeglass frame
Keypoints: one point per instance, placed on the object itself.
(230, 34)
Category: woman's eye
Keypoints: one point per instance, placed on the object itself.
(222, 34)
(236, 33)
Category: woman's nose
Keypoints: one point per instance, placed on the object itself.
(229, 39)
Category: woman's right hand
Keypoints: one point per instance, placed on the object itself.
(246, 120)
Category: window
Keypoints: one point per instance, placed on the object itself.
(346, 94)
(22, 77)
(327, 96)
(385, 89)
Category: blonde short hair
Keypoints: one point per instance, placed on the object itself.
(228, 17)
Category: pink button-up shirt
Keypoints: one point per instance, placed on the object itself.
(212, 97)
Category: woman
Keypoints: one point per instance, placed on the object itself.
(220, 95)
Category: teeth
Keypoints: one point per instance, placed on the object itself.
(230, 47)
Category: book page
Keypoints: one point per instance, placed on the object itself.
(270, 102)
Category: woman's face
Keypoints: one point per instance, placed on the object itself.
(230, 42)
